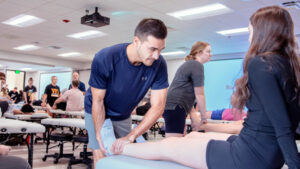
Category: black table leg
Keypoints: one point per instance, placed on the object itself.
(30, 149)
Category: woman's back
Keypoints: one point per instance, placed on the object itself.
(268, 128)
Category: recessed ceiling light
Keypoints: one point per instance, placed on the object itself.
(173, 53)
(237, 31)
(23, 20)
(201, 12)
(27, 47)
(25, 69)
(87, 34)
(69, 54)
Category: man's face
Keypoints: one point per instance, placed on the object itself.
(149, 49)
(75, 76)
(54, 80)
(30, 82)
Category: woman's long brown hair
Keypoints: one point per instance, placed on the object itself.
(273, 33)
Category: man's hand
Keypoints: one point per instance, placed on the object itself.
(4, 149)
(54, 106)
(43, 104)
(118, 145)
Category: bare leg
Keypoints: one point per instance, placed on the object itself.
(210, 135)
(174, 135)
(230, 128)
(97, 155)
(187, 151)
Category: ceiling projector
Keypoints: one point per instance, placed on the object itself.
(95, 19)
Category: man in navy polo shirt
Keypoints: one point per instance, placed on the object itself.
(120, 77)
(81, 86)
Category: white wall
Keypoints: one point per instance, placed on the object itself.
(84, 76)
(173, 65)
(43, 61)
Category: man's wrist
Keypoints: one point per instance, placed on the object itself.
(132, 137)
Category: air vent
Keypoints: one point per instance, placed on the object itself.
(54, 47)
(291, 4)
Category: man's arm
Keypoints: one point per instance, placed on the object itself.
(44, 100)
(60, 99)
(32, 97)
(25, 97)
(199, 93)
(158, 101)
(98, 113)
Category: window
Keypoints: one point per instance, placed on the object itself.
(63, 81)
(15, 79)
(219, 81)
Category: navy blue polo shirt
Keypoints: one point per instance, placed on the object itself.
(125, 84)
(81, 86)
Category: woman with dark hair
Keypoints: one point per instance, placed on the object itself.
(269, 88)
(186, 87)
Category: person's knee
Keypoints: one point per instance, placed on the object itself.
(192, 134)
(97, 154)
(15, 162)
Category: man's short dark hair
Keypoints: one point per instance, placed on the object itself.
(30, 79)
(150, 26)
(75, 83)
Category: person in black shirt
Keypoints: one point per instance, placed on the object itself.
(13, 94)
(29, 92)
(52, 92)
(269, 87)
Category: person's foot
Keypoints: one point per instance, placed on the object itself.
(108, 136)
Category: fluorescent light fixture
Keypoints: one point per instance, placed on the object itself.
(25, 69)
(23, 20)
(87, 34)
(69, 54)
(180, 52)
(201, 12)
(237, 31)
(27, 47)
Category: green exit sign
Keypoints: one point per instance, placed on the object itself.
(17, 72)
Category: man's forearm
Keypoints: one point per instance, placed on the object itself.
(98, 114)
(150, 118)
(44, 98)
(59, 100)
(25, 97)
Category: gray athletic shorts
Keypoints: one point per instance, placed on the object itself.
(121, 128)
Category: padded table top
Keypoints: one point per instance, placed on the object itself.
(66, 122)
(72, 113)
(9, 126)
(126, 162)
(27, 116)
